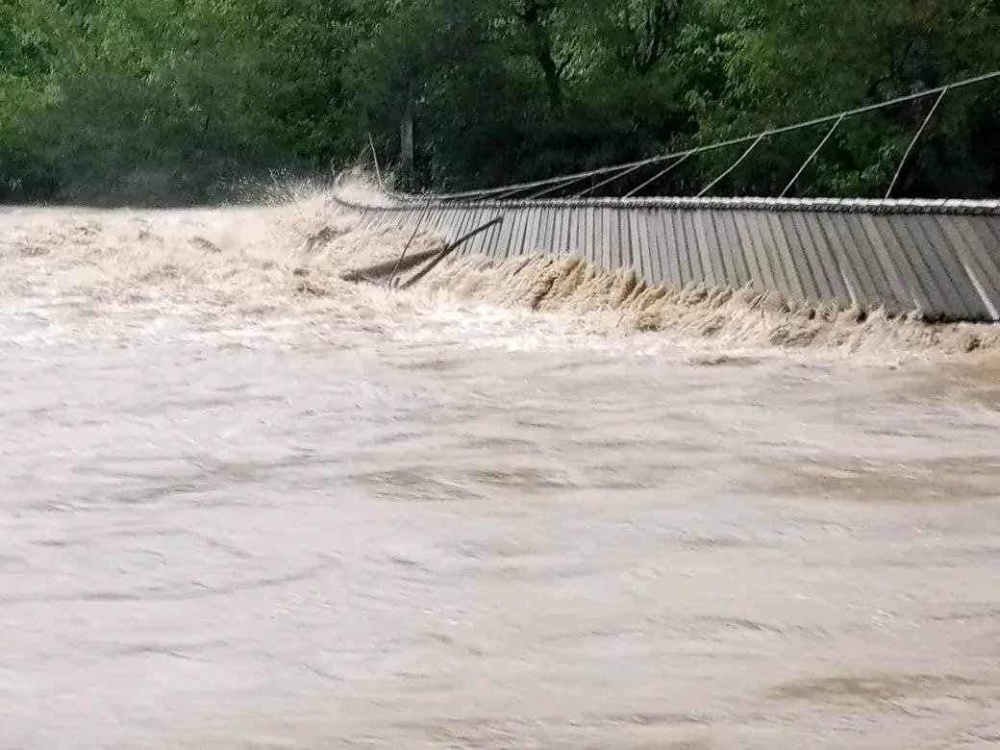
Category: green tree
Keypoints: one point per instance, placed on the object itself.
(791, 60)
(167, 101)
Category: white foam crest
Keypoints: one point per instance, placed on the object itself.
(285, 260)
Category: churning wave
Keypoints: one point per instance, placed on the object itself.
(289, 257)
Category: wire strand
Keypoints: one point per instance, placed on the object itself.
(735, 164)
(658, 175)
(913, 143)
(608, 181)
(812, 156)
(492, 192)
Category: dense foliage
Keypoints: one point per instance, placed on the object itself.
(168, 101)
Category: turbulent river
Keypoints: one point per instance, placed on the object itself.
(244, 504)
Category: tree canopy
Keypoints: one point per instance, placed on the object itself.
(175, 101)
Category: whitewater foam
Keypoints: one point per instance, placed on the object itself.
(288, 258)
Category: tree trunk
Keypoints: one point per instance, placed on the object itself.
(406, 145)
(553, 78)
(541, 48)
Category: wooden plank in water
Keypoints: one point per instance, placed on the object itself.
(524, 226)
(801, 285)
(822, 231)
(722, 249)
(505, 236)
(902, 297)
(865, 263)
(980, 237)
(597, 252)
(595, 244)
(657, 250)
(501, 239)
(770, 266)
(553, 242)
(530, 230)
(724, 264)
(685, 272)
(954, 299)
(652, 247)
(969, 271)
(813, 251)
(511, 220)
(569, 239)
(925, 265)
(577, 231)
(541, 239)
(757, 278)
(669, 259)
(690, 245)
(711, 262)
(991, 225)
(987, 228)
(984, 268)
(520, 219)
(449, 221)
(852, 270)
(589, 234)
(734, 248)
(944, 261)
(623, 251)
(939, 247)
(781, 283)
(475, 245)
(698, 247)
(558, 242)
(569, 233)
(565, 231)
(928, 298)
(638, 243)
(535, 233)
(435, 221)
(689, 271)
(460, 224)
(611, 237)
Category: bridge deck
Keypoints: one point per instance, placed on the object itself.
(940, 259)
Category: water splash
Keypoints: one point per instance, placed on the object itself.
(286, 258)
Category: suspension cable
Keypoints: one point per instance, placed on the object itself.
(662, 173)
(608, 181)
(378, 169)
(406, 248)
(492, 192)
(812, 156)
(560, 186)
(735, 164)
(913, 143)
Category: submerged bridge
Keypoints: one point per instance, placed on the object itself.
(936, 258)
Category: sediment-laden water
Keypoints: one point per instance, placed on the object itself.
(245, 504)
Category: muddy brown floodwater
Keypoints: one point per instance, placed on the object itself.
(244, 505)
